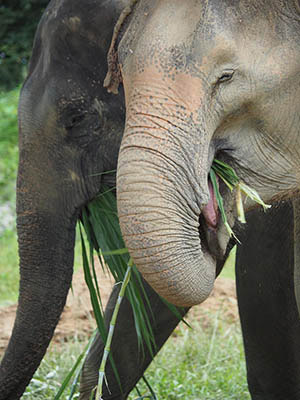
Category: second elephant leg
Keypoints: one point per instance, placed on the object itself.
(267, 305)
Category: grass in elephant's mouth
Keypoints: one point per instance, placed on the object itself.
(230, 178)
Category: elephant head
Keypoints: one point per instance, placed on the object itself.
(70, 131)
(202, 80)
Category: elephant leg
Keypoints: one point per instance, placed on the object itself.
(130, 362)
(296, 208)
(267, 305)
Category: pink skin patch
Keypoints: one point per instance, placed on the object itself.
(210, 211)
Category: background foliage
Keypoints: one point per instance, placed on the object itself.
(18, 22)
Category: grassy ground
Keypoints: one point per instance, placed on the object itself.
(202, 363)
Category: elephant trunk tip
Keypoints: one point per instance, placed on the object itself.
(186, 283)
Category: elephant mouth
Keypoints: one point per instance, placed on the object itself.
(208, 225)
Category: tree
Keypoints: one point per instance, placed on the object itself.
(18, 23)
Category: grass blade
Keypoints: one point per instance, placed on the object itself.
(230, 178)
(68, 378)
(111, 331)
(253, 195)
(219, 199)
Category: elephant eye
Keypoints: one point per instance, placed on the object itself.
(226, 76)
(74, 120)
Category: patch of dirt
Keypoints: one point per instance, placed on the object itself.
(77, 319)
(222, 300)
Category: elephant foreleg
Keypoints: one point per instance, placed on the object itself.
(267, 305)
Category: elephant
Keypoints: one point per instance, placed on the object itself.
(186, 82)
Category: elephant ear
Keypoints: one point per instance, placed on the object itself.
(113, 77)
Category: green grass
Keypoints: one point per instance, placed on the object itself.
(201, 364)
(9, 270)
(205, 362)
(53, 369)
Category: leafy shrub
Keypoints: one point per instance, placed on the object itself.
(18, 23)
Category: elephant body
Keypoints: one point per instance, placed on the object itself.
(201, 80)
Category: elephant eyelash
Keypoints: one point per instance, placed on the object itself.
(226, 76)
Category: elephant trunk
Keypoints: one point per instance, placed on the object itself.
(162, 188)
(46, 248)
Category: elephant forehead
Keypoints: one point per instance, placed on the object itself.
(178, 36)
(172, 22)
(169, 90)
(183, 32)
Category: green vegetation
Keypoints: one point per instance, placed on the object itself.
(9, 270)
(101, 224)
(53, 369)
(19, 20)
(228, 270)
(8, 165)
(8, 145)
(201, 363)
(205, 362)
(229, 177)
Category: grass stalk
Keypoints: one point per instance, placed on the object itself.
(111, 330)
(232, 181)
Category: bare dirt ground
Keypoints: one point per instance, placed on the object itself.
(77, 318)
